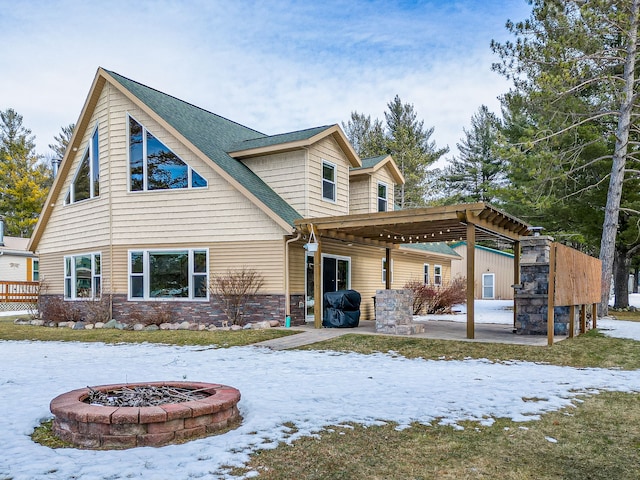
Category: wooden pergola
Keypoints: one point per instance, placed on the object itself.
(470, 222)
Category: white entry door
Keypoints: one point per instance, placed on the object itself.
(488, 285)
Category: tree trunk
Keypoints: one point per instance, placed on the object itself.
(612, 208)
(636, 271)
(621, 265)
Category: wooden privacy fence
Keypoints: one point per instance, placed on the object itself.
(574, 281)
(19, 292)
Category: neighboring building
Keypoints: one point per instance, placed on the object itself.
(17, 263)
(493, 273)
(155, 196)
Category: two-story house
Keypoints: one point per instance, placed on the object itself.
(154, 196)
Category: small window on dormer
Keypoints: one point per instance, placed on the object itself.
(382, 197)
(328, 181)
(153, 166)
(86, 183)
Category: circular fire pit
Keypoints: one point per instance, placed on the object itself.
(97, 426)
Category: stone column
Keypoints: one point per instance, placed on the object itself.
(394, 313)
(532, 295)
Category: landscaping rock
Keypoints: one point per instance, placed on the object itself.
(138, 327)
(110, 324)
(274, 323)
(151, 328)
(89, 326)
(248, 326)
(78, 326)
(165, 326)
(212, 327)
(62, 324)
(37, 323)
(202, 327)
(183, 326)
(261, 325)
(70, 324)
(99, 325)
(235, 328)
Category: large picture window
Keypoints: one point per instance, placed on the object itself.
(168, 274)
(82, 276)
(86, 182)
(153, 166)
(328, 181)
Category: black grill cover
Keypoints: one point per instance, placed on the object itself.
(348, 300)
(341, 309)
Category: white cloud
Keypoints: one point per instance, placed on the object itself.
(274, 66)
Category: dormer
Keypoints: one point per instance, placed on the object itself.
(371, 186)
(310, 169)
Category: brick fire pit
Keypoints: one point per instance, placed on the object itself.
(97, 426)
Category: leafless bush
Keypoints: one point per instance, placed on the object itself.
(234, 289)
(98, 310)
(161, 312)
(55, 309)
(433, 299)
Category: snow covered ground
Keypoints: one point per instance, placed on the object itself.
(311, 389)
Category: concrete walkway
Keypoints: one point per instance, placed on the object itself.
(435, 329)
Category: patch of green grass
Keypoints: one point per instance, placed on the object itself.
(628, 316)
(591, 349)
(222, 338)
(598, 440)
(43, 434)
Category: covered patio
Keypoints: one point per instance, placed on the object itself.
(471, 222)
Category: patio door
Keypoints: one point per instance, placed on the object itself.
(488, 285)
(336, 275)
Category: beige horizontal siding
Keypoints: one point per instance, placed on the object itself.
(329, 150)
(360, 195)
(286, 174)
(488, 262)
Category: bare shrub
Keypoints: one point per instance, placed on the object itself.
(98, 310)
(234, 289)
(160, 313)
(433, 299)
(55, 309)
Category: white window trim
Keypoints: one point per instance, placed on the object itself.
(145, 186)
(74, 278)
(426, 274)
(437, 278)
(384, 275)
(145, 275)
(71, 193)
(493, 285)
(378, 198)
(335, 181)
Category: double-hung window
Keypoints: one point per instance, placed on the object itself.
(153, 166)
(425, 274)
(382, 197)
(328, 181)
(82, 276)
(437, 274)
(86, 182)
(168, 274)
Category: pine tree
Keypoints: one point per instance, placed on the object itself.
(24, 179)
(59, 147)
(574, 63)
(406, 140)
(476, 174)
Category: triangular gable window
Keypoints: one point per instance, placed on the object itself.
(86, 183)
(153, 166)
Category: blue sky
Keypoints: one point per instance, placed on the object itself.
(275, 66)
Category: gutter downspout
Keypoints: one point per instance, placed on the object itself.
(287, 295)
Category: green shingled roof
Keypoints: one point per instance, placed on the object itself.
(432, 247)
(213, 135)
(268, 141)
(371, 162)
(482, 247)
